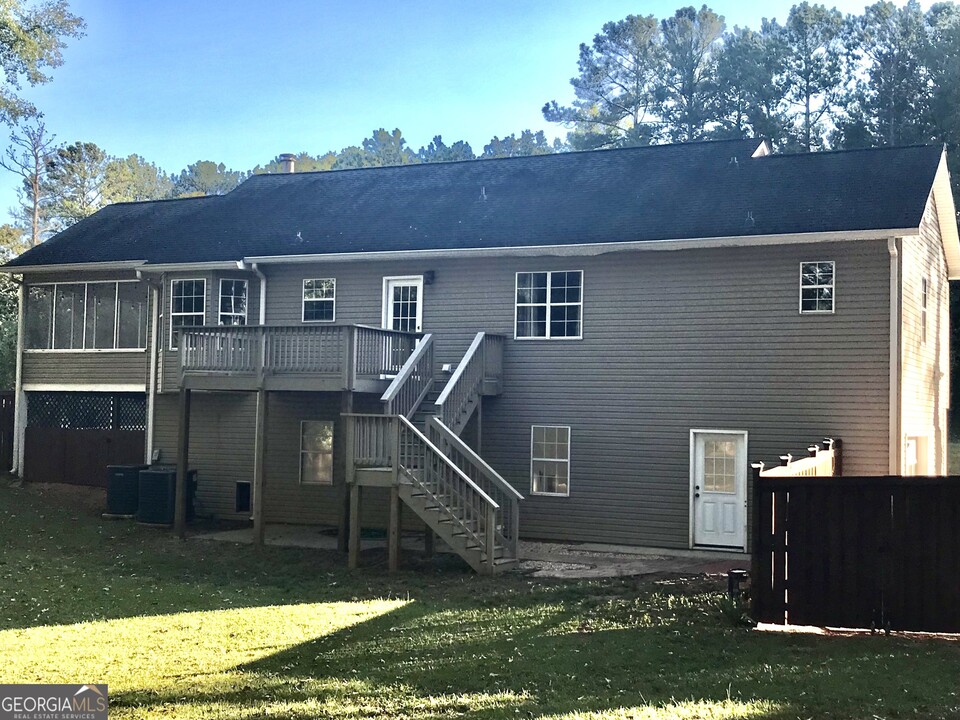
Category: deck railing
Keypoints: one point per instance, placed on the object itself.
(482, 362)
(485, 477)
(392, 441)
(464, 502)
(347, 351)
(412, 383)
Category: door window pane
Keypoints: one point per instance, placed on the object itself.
(720, 466)
(233, 302)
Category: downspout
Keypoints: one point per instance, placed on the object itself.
(263, 292)
(895, 442)
(20, 398)
(152, 384)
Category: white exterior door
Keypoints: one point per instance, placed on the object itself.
(718, 464)
(403, 303)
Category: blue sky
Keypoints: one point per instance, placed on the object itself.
(240, 81)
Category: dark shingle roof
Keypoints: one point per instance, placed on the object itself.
(695, 190)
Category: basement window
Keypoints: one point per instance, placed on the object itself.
(817, 283)
(550, 460)
(549, 305)
(319, 300)
(316, 452)
(187, 306)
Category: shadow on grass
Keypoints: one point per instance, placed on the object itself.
(488, 661)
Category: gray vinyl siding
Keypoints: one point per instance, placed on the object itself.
(672, 341)
(286, 499)
(222, 441)
(60, 367)
(925, 365)
(169, 368)
(221, 445)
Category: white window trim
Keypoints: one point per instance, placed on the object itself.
(116, 319)
(170, 323)
(246, 295)
(516, 306)
(310, 483)
(303, 301)
(568, 460)
(832, 286)
(924, 315)
(384, 305)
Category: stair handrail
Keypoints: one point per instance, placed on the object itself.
(413, 381)
(463, 384)
(507, 496)
(485, 516)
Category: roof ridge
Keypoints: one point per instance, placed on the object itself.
(164, 200)
(539, 156)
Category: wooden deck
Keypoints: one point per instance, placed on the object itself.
(299, 357)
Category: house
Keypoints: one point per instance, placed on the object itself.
(609, 335)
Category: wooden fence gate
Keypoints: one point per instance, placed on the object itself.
(857, 552)
(73, 437)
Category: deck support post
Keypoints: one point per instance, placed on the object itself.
(183, 465)
(260, 452)
(427, 541)
(393, 532)
(343, 447)
(353, 556)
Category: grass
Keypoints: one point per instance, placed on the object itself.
(207, 630)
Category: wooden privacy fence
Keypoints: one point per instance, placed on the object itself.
(857, 552)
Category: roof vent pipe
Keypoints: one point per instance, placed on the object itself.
(288, 162)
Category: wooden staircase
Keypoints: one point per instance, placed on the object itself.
(429, 468)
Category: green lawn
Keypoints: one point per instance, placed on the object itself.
(206, 630)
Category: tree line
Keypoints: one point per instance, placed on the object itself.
(818, 80)
(63, 183)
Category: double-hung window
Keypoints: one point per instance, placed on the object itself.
(86, 316)
(550, 460)
(187, 306)
(233, 302)
(817, 285)
(549, 305)
(319, 300)
(316, 452)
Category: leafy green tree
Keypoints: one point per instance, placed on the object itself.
(352, 157)
(751, 90)
(814, 69)
(74, 185)
(389, 148)
(32, 39)
(686, 89)
(438, 151)
(206, 177)
(529, 143)
(888, 104)
(303, 162)
(31, 147)
(615, 99)
(132, 179)
(13, 241)
(381, 149)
